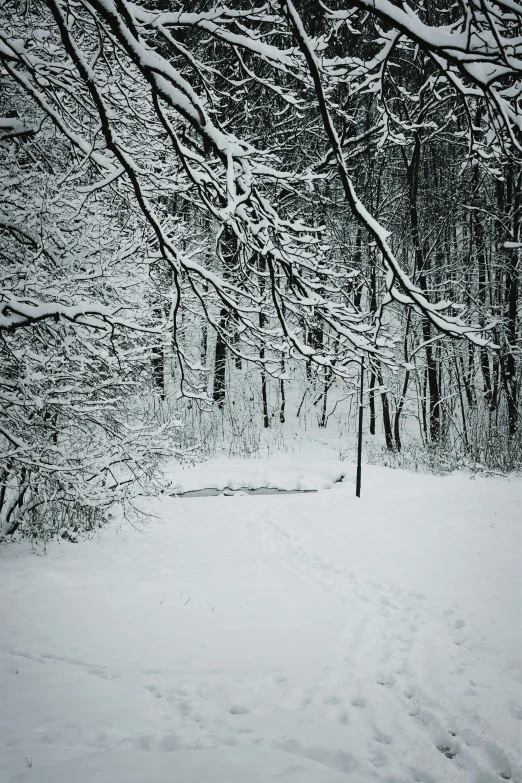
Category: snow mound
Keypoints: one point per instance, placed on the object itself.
(278, 473)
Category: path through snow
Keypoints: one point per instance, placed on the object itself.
(305, 639)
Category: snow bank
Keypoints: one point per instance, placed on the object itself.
(279, 472)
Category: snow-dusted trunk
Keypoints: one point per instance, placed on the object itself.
(227, 251)
(513, 271)
(421, 265)
(479, 247)
(402, 399)
(158, 360)
(262, 324)
(14, 492)
(283, 395)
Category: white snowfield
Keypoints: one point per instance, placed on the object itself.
(312, 638)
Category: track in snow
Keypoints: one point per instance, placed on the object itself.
(382, 629)
(221, 630)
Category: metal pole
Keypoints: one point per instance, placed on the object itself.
(359, 436)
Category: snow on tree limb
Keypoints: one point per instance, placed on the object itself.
(450, 325)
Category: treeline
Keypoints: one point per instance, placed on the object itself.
(186, 189)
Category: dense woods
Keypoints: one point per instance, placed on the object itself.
(193, 195)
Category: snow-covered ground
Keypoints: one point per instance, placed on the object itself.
(312, 638)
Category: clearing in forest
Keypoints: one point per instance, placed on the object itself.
(304, 638)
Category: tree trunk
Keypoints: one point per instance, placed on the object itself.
(371, 399)
(283, 396)
(158, 362)
(204, 344)
(227, 250)
(514, 196)
(398, 412)
(220, 364)
(327, 376)
(262, 323)
(264, 395)
(479, 242)
(462, 406)
(386, 419)
(413, 170)
(402, 398)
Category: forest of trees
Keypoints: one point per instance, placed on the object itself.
(191, 189)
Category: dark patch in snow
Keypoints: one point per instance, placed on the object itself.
(448, 752)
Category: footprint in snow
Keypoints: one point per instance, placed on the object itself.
(331, 699)
(381, 737)
(343, 717)
(450, 753)
(236, 709)
(377, 758)
(152, 689)
(386, 680)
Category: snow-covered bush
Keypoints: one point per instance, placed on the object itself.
(76, 335)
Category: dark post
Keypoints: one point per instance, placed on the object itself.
(359, 436)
